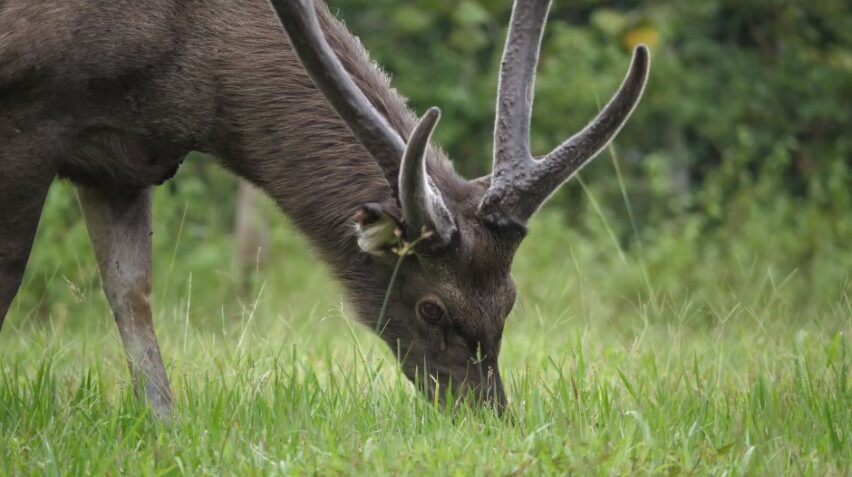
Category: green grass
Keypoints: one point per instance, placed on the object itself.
(693, 354)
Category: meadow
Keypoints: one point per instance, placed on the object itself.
(679, 350)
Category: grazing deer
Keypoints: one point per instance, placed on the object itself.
(113, 94)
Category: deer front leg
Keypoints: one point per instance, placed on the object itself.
(26, 172)
(119, 224)
(20, 209)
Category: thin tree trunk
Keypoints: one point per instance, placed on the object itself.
(251, 235)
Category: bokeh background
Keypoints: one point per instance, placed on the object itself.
(738, 158)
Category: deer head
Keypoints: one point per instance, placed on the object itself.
(446, 311)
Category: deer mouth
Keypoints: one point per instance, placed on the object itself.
(480, 387)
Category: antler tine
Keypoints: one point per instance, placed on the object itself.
(577, 151)
(512, 159)
(369, 126)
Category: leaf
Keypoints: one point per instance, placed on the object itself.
(646, 34)
(724, 449)
(609, 21)
(470, 14)
(411, 19)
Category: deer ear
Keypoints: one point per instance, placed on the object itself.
(379, 227)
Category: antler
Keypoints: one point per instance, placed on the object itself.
(520, 183)
(422, 206)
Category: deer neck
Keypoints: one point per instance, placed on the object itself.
(284, 137)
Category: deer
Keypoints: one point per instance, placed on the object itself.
(112, 95)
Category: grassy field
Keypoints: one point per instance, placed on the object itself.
(683, 352)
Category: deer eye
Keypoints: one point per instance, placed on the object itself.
(430, 311)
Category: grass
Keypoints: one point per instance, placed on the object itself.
(723, 359)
